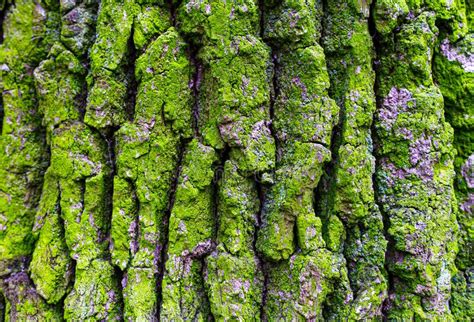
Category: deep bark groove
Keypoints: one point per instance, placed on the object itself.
(169, 207)
(236, 160)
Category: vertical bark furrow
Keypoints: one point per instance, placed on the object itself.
(304, 274)
(78, 186)
(414, 151)
(4, 8)
(234, 277)
(163, 251)
(234, 117)
(453, 68)
(80, 165)
(349, 197)
(148, 154)
(236, 160)
(27, 34)
(191, 230)
(195, 86)
(24, 156)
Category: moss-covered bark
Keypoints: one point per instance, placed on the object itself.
(236, 160)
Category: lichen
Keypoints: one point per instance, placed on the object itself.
(27, 36)
(191, 228)
(236, 160)
(414, 175)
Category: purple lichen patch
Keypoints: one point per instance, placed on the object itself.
(454, 54)
(397, 100)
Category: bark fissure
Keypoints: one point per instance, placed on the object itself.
(386, 220)
(236, 160)
(169, 208)
(60, 303)
(3, 13)
(261, 259)
(195, 85)
(273, 95)
(451, 73)
(132, 86)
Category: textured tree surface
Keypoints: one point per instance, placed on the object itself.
(237, 160)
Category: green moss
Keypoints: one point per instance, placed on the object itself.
(59, 82)
(303, 109)
(106, 102)
(215, 22)
(51, 267)
(23, 302)
(191, 229)
(415, 174)
(149, 22)
(223, 131)
(183, 290)
(349, 199)
(124, 226)
(462, 300)
(142, 190)
(309, 232)
(390, 13)
(191, 223)
(79, 164)
(96, 294)
(139, 288)
(334, 234)
(235, 95)
(165, 66)
(78, 25)
(299, 288)
(292, 24)
(234, 285)
(354, 196)
(456, 82)
(233, 275)
(106, 105)
(27, 37)
(291, 196)
(114, 23)
(237, 211)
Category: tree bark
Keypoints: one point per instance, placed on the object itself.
(237, 160)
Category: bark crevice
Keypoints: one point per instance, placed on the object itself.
(163, 256)
(385, 218)
(196, 80)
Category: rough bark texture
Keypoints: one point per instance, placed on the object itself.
(237, 160)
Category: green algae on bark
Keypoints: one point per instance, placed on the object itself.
(109, 57)
(163, 73)
(23, 303)
(415, 170)
(233, 117)
(190, 237)
(236, 160)
(75, 189)
(26, 28)
(349, 194)
(307, 276)
(234, 278)
(454, 72)
(28, 32)
(74, 197)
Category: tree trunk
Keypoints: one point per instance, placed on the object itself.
(237, 160)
